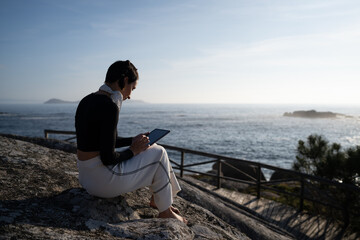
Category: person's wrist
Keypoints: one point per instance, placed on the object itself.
(132, 150)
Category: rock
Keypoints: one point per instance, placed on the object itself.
(40, 198)
(239, 170)
(312, 114)
(49, 143)
(283, 175)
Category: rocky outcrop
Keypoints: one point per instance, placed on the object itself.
(40, 198)
(312, 114)
(48, 143)
(239, 170)
(58, 101)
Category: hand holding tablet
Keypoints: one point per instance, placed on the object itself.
(156, 134)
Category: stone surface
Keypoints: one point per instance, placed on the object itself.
(49, 143)
(40, 198)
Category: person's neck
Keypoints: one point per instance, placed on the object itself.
(113, 86)
(104, 93)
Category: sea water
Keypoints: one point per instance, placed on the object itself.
(258, 133)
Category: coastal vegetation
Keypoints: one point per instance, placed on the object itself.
(316, 156)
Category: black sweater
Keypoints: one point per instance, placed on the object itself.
(96, 122)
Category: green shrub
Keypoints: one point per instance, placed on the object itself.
(317, 157)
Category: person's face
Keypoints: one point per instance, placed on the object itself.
(128, 88)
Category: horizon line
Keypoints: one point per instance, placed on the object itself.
(139, 101)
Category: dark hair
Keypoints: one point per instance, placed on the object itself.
(119, 70)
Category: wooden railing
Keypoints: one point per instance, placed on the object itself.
(305, 181)
(49, 131)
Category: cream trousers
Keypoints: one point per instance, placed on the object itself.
(150, 168)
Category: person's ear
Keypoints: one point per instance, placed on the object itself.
(118, 83)
(124, 81)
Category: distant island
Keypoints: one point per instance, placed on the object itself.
(135, 101)
(313, 114)
(59, 101)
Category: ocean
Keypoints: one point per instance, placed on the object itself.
(258, 133)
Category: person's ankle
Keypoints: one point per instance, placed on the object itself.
(166, 214)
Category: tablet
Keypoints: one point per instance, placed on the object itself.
(156, 134)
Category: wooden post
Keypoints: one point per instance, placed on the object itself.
(302, 190)
(182, 164)
(258, 181)
(346, 209)
(219, 173)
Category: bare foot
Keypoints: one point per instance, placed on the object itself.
(153, 205)
(168, 213)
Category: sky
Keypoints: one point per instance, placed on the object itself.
(188, 51)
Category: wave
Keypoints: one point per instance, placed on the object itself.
(3, 114)
(41, 118)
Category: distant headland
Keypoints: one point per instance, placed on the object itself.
(59, 101)
(313, 114)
